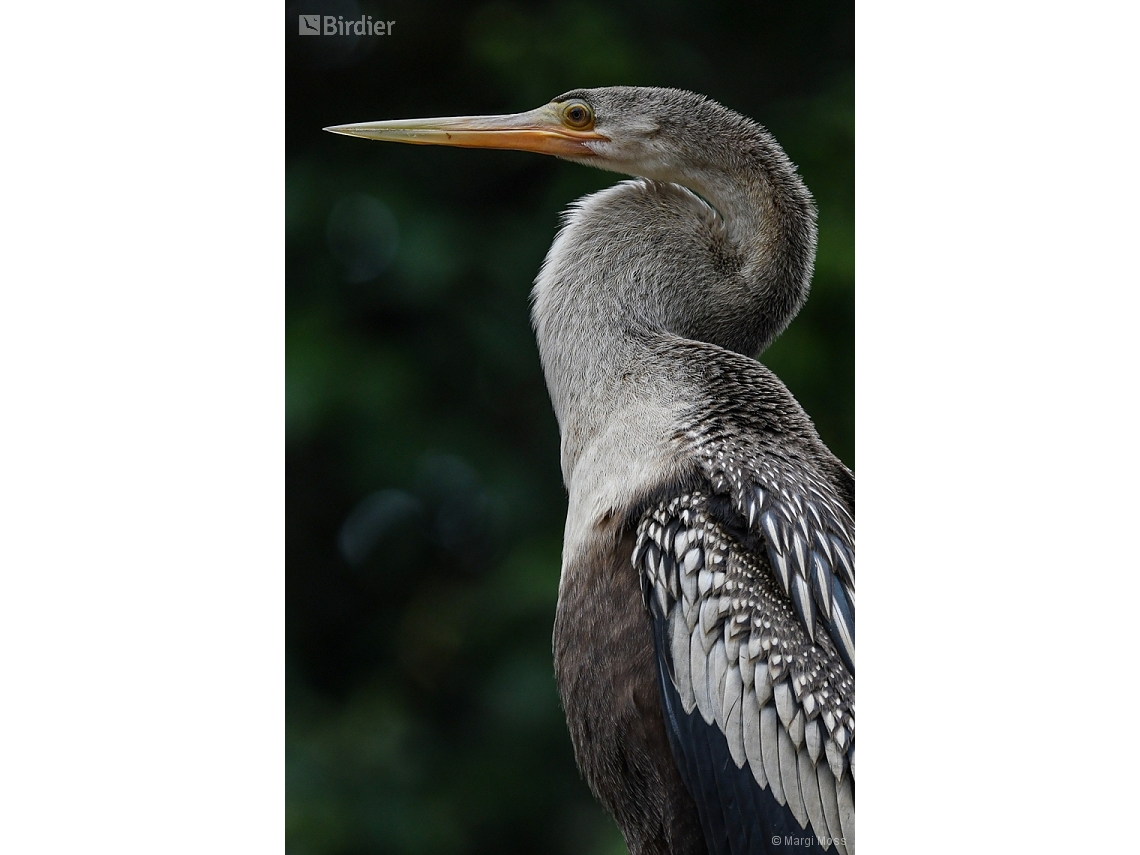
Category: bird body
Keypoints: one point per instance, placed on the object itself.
(704, 635)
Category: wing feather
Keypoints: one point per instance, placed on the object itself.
(679, 650)
(761, 713)
(733, 715)
(845, 796)
(830, 806)
(770, 745)
(790, 775)
(807, 528)
(718, 675)
(698, 667)
(750, 727)
(809, 789)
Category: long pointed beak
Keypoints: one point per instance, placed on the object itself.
(538, 130)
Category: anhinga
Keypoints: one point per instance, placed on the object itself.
(704, 642)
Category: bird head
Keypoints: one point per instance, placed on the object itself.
(632, 130)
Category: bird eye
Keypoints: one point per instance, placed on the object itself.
(578, 115)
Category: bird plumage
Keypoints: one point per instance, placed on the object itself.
(647, 309)
(704, 636)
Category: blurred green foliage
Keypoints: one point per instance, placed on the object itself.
(424, 498)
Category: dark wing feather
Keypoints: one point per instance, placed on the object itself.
(758, 713)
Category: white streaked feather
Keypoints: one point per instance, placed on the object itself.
(708, 623)
(785, 702)
(704, 580)
(777, 667)
(840, 737)
(782, 567)
(698, 668)
(824, 544)
(828, 718)
(733, 717)
(789, 775)
(800, 548)
(820, 573)
(689, 577)
(770, 749)
(768, 523)
(813, 738)
(747, 667)
(803, 593)
(846, 634)
(693, 561)
(763, 684)
(681, 544)
(718, 673)
(750, 731)
(809, 789)
(844, 559)
(816, 518)
(810, 705)
(732, 691)
(796, 730)
(680, 652)
(692, 616)
(826, 783)
(755, 644)
(671, 577)
(836, 759)
(845, 796)
(733, 635)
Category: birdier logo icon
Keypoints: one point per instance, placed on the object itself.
(310, 25)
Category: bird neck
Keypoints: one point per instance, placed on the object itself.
(757, 266)
(721, 252)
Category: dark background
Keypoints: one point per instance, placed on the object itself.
(424, 497)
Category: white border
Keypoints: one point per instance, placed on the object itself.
(996, 389)
(141, 377)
